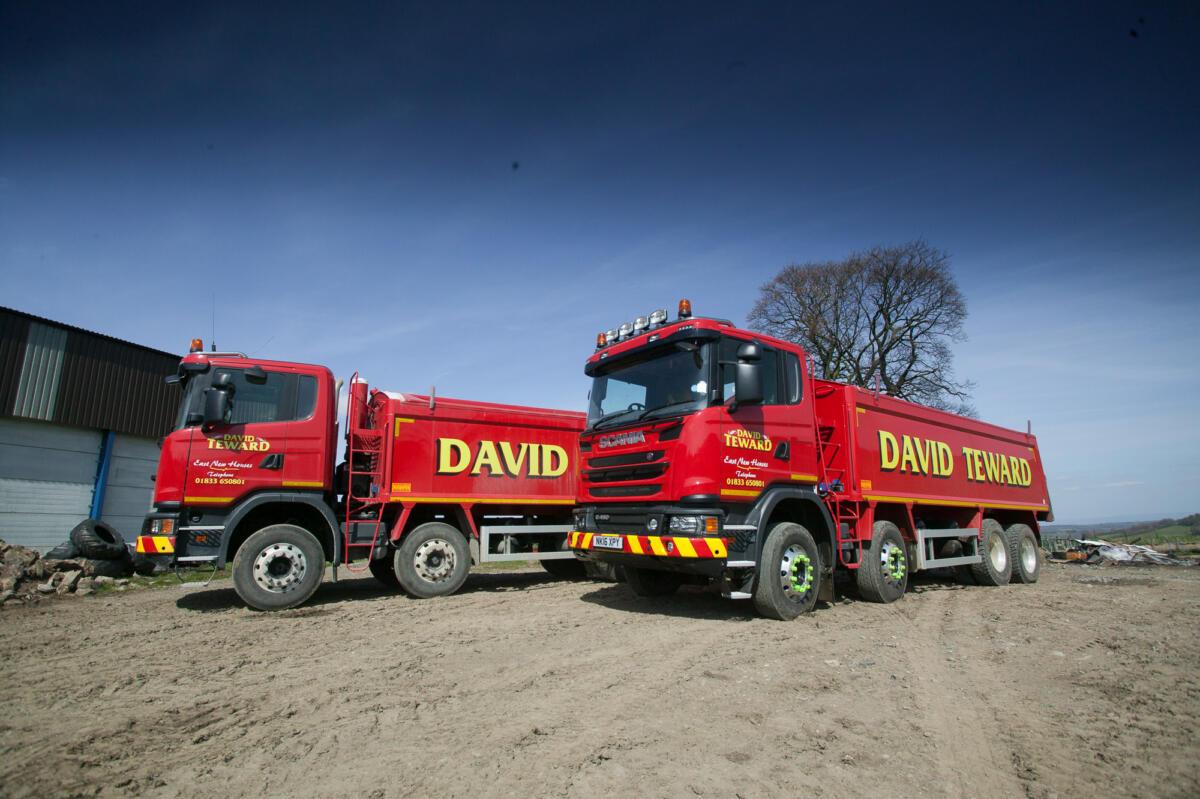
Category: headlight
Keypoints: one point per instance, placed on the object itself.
(162, 526)
(685, 524)
(691, 525)
(580, 519)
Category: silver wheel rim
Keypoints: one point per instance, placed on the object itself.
(997, 552)
(434, 560)
(279, 568)
(1028, 555)
(796, 573)
(893, 563)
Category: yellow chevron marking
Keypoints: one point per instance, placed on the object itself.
(635, 544)
(685, 547)
(656, 546)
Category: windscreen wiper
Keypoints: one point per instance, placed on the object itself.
(646, 414)
(612, 417)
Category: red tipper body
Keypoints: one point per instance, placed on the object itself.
(903, 452)
(680, 476)
(473, 455)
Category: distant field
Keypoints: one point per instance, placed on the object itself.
(1173, 534)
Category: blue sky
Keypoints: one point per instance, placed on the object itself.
(463, 194)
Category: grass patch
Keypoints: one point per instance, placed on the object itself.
(504, 566)
(165, 580)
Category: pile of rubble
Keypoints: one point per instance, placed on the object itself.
(26, 576)
(1087, 550)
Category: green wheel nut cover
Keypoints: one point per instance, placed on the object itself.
(798, 585)
(896, 564)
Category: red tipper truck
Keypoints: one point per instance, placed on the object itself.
(429, 486)
(712, 454)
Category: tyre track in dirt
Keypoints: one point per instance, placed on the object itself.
(523, 685)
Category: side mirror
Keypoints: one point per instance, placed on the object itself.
(748, 385)
(218, 400)
(218, 405)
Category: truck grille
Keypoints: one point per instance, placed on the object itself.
(625, 491)
(621, 522)
(633, 473)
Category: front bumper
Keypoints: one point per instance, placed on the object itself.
(662, 546)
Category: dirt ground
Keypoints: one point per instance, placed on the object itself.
(1082, 685)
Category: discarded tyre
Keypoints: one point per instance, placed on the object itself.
(64, 551)
(98, 541)
(143, 565)
(108, 568)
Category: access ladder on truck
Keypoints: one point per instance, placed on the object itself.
(365, 458)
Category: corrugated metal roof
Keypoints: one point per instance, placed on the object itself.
(65, 374)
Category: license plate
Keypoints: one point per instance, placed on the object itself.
(608, 542)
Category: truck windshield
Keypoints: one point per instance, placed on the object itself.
(668, 381)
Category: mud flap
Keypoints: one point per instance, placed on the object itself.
(825, 592)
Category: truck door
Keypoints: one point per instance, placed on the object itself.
(230, 460)
(772, 443)
(308, 465)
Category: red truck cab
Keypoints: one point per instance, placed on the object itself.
(712, 454)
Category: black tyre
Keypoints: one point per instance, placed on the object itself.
(278, 567)
(433, 560)
(994, 566)
(108, 568)
(652, 582)
(98, 541)
(564, 569)
(883, 575)
(144, 565)
(383, 570)
(1024, 554)
(789, 573)
(64, 551)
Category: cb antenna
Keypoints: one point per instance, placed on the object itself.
(213, 341)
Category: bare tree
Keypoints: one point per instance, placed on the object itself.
(890, 311)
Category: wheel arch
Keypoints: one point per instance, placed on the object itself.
(794, 504)
(309, 511)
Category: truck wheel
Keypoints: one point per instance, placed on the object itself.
(651, 582)
(565, 569)
(278, 567)
(381, 570)
(995, 566)
(883, 575)
(789, 574)
(433, 560)
(1025, 554)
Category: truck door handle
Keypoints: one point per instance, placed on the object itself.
(783, 452)
(272, 461)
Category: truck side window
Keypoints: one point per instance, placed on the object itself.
(306, 397)
(273, 400)
(791, 379)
